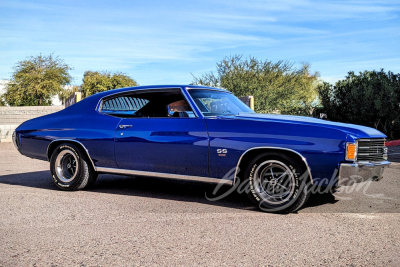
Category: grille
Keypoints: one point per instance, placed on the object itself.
(371, 150)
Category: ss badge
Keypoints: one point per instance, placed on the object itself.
(222, 152)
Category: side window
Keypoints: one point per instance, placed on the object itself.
(124, 105)
(180, 108)
(159, 103)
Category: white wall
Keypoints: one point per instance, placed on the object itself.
(11, 117)
(2, 86)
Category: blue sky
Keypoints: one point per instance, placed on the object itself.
(162, 42)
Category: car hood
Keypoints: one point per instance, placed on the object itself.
(357, 131)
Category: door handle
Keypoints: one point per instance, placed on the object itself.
(125, 126)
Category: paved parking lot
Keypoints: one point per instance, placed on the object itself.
(124, 221)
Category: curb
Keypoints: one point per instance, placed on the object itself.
(393, 143)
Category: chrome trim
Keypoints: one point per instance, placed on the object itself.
(163, 175)
(184, 87)
(264, 191)
(124, 126)
(192, 104)
(127, 91)
(367, 164)
(277, 148)
(75, 141)
(211, 89)
(350, 173)
(14, 139)
(97, 108)
(60, 164)
(359, 149)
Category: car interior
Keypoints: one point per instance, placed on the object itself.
(148, 104)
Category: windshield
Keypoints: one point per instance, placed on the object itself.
(212, 103)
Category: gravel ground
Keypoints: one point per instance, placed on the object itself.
(126, 221)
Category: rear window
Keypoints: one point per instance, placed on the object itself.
(128, 104)
(124, 103)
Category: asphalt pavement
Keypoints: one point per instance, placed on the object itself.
(128, 221)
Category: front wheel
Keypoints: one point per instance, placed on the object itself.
(70, 168)
(277, 183)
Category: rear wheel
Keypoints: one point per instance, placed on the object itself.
(277, 183)
(70, 168)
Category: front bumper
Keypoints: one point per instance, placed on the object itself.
(14, 139)
(350, 173)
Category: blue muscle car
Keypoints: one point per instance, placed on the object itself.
(204, 134)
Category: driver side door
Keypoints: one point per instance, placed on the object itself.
(162, 141)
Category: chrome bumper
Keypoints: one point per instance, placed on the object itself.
(350, 173)
(14, 139)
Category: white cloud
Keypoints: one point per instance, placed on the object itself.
(303, 10)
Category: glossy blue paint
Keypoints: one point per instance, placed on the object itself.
(166, 145)
(322, 148)
(189, 146)
(79, 122)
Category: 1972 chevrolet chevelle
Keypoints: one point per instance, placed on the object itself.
(204, 134)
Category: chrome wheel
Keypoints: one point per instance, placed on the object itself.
(66, 166)
(274, 182)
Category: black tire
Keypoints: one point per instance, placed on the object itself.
(70, 168)
(277, 183)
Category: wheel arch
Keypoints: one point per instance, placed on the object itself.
(53, 144)
(249, 154)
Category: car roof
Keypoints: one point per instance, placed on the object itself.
(92, 101)
(155, 87)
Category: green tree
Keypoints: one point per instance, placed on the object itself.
(36, 80)
(67, 92)
(276, 87)
(371, 98)
(95, 82)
